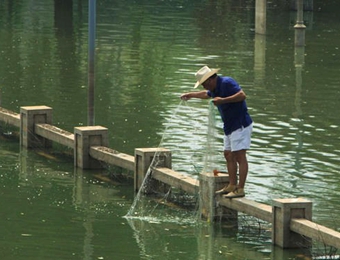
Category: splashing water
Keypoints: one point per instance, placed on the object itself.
(173, 205)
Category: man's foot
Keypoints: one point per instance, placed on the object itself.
(226, 189)
(237, 193)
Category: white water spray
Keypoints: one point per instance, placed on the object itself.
(158, 210)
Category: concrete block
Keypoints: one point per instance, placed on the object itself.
(283, 211)
(146, 157)
(84, 138)
(209, 207)
(29, 116)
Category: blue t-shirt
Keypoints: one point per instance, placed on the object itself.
(234, 115)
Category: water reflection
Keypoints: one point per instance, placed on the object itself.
(147, 54)
(210, 242)
(55, 204)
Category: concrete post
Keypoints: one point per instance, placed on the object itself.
(283, 211)
(299, 59)
(84, 138)
(260, 16)
(207, 190)
(146, 157)
(300, 28)
(209, 208)
(29, 116)
(308, 5)
(207, 196)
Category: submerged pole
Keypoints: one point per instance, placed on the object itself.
(91, 56)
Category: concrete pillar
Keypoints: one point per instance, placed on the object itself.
(146, 157)
(299, 60)
(84, 138)
(308, 5)
(209, 208)
(283, 211)
(207, 196)
(260, 16)
(29, 116)
(300, 28)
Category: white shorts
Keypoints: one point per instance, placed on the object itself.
(238, 140)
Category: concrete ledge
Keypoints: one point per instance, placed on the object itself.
(9, 117)
(176, 180)
(290, 218)
(252, 208)
(113, 157)
(312, 230)
(55, 134)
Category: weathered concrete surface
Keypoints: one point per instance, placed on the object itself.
(252, 208)
(315, 231)
(284, 210)
(55, 134)
(84, 138)
(9, 117)
(147, 158)
(176, 180)
(29, 117)
(113, 157)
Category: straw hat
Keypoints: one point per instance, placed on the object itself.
(203, 74)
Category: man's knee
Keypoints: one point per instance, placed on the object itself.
(240, 156)
(228, 155)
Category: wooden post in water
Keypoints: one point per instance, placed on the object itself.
(84, 138)
(29, 116)
(283, 211)
(144, 158)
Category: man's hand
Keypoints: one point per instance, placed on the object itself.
(185, 96)
(218, 101)
(196, 94)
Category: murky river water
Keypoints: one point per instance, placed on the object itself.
(146, 55)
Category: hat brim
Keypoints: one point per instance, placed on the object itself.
(206, 76)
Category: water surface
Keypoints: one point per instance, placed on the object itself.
(146, 56)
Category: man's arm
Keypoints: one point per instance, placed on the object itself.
(238, 97)
(198, 94)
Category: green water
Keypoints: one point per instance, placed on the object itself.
(146, 56)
